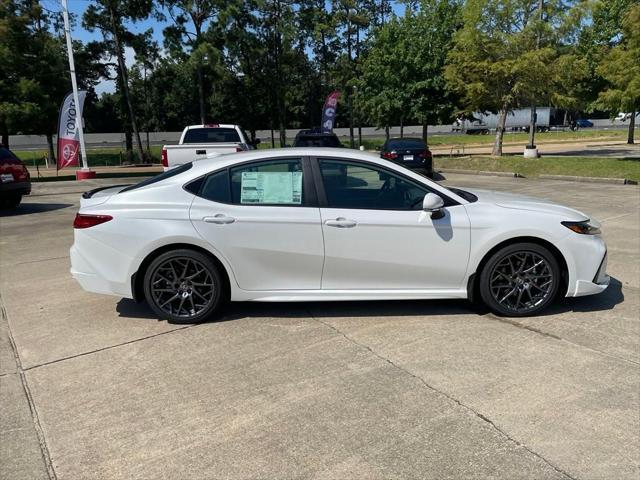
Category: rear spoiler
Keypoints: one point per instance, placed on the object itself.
(91, 193)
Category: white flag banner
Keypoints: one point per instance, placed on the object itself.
(68, 137)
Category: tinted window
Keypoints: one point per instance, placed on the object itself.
(6, 156)
(406, 143)
(317, 141)
(276, 182)
(354, 185)
(216, 187)
(211, 135)
(158, 178)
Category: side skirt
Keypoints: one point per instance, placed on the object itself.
(338, 295)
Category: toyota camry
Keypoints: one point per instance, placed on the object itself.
(327, 224)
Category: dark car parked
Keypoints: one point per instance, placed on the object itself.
(410, 152)
(316, 138)
(15, 180)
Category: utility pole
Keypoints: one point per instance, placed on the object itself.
(531, 150)
(84, 172)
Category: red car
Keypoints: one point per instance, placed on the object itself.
(15, 180)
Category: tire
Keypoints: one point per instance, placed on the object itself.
(520, 280)
(184, 286)
(12, 201)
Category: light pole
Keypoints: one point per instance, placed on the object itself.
(84, 172)
(530, 150)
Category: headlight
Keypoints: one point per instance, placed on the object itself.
(585, 227)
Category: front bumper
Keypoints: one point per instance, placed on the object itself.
(587, 264)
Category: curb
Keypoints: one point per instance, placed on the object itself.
(574, 178)
(481, 172)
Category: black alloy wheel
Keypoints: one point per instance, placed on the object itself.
(184, 286)
(520, 280)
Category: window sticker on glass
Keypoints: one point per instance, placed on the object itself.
(271, 188)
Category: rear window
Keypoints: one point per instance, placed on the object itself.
(7, 156)
(317, 141)
(411, 143)
(158, 178)
(211, 135)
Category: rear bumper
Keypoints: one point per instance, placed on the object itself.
(20, 188)
(92, 281)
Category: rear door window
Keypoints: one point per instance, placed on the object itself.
(158, 178)
(275, 182)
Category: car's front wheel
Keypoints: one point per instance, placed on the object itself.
(184, 286)
(520, 280)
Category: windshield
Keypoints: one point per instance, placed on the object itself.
(211, 135)
(158, 178)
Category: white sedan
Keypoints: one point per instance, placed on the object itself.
(327, 224)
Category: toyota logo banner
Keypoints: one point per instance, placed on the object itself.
(329, 112)
(68, 140)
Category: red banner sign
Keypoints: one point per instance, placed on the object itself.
(329, 112)
(68, 138)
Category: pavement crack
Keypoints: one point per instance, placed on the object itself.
(516, 324)
(36, 261)
(422, 381)
(44, 449)
(97, 350)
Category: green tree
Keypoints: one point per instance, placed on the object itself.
(621, 69)
(505, 55)
(429, 36)
(109, 16)
(191, 19)
(35, 70)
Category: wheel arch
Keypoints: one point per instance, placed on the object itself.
(137, 287)
(473, 285)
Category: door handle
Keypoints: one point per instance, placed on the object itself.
(341, 222)
(201, 152)
(219, 219)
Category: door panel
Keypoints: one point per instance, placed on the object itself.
(269, 248)
(260, 217)
(377, 237)
(395, 249)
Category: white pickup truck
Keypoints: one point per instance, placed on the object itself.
(205, 141)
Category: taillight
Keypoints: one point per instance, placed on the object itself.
(425, 154)
(390, 155)
(86, 221)
(165, 162)
(238, 149)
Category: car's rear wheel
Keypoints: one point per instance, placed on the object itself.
(12, 200)
(184, 286)
(520, 280)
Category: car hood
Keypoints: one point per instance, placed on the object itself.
(522, 202)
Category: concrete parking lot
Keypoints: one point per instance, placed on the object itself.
(96, 387)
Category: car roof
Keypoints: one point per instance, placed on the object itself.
(219, 162)
(315, 133)
(228, 159)
(211, 125)
(405, 138)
